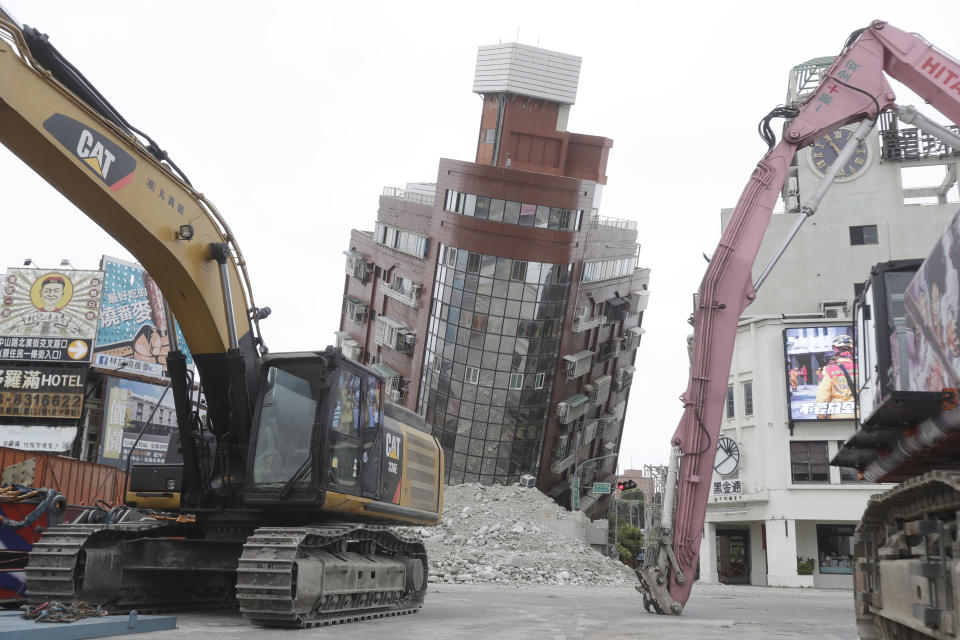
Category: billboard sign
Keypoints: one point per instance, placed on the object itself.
(821, 373)
(41, 391)
(932, 303)
(133, 336)
(49, 315)
(128, 405)
(38, 438)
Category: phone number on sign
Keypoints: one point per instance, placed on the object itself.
(50, 405)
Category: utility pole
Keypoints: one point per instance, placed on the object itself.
(616, 526)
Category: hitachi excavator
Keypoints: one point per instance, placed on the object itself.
(286, 494)
(896, 549)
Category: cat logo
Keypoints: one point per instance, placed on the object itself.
(392, 442)
(106, 160)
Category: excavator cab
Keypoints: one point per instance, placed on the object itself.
(315, 420)
(322, 441)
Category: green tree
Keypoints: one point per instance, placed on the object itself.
(629, 539)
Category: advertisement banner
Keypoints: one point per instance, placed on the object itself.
(38, 438)
(932, 302)
(49, 315)
(133, 335)
(128, 406)
(39, 391)
(821, 372)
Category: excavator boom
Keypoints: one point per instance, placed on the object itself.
(854, 89)
(107, 172)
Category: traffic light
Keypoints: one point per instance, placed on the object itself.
(626, 485)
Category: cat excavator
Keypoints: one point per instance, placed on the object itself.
(288, 488)
(906, 547)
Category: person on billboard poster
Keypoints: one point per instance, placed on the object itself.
(51, 292)
(836, 387)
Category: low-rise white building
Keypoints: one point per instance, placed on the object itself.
(778, 514)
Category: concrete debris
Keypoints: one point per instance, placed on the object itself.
(491, 535)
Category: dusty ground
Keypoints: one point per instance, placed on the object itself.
(554, 613)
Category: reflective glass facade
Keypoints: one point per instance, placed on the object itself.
(510, 212)
(491, 351)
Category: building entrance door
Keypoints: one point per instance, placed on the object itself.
(733, 556)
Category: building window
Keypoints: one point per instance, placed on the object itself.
(516, 381)
(748, 398)
(808, 461)
(538, 382)
(866, 234)
(835, 548)
(451, 257)
(848, 475)
(436, 363)
(518, 271)
(472, 375)
(730, 407)
(858, 288)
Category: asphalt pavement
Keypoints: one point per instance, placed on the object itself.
(568, 613)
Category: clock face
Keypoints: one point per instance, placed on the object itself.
(825, 149)
(728, 456)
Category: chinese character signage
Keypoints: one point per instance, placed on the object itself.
(133, 336)
(727, 491)
(38, 391)
(38, 438)
(128, 406)
(49, 315)
(821, 373)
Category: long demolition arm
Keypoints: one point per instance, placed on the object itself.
(854, 89)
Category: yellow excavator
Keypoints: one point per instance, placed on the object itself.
(289, 488)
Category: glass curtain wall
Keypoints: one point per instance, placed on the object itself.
(491, 352)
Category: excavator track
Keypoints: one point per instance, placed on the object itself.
(148, 566)
(333, 574)
(904, 548)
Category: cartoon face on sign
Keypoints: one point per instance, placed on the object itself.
(51, 292)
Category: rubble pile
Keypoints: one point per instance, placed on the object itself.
(489, 534)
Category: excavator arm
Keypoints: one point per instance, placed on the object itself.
(854, 89)
(73, 139)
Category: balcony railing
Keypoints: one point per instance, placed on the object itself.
(597, 221)
(402, 194)
(582, 323)
(559, 466)
(410, 300)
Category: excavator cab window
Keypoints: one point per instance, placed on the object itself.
(354, 429)
(288, 413)
(345, 430)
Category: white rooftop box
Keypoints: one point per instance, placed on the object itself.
(527, 71)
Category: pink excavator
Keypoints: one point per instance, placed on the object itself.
(854, 90)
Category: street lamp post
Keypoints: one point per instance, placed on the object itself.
(576, 473)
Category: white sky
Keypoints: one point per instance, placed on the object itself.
(291, 117)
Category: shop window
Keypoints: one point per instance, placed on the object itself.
(808, 461)
(730, 406)
(835, 548)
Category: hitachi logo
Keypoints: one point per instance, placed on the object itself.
(940, 71)
(94, 154)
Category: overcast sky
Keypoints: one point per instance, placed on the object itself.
(292, 117)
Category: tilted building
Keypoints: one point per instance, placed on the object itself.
(497, 303)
